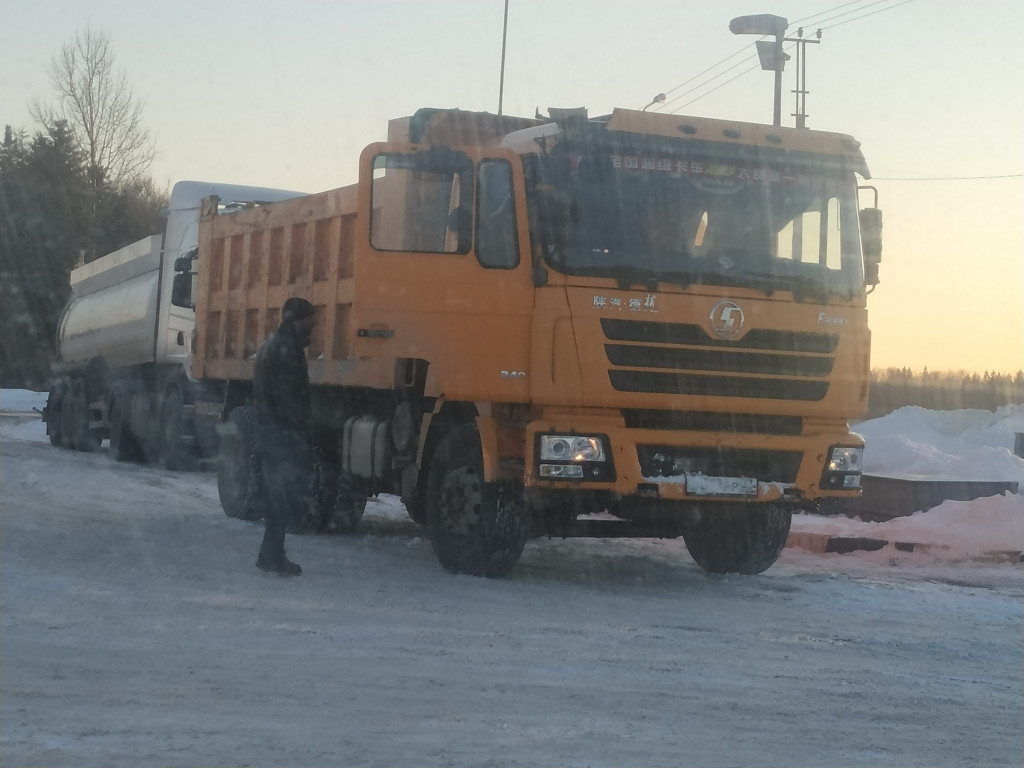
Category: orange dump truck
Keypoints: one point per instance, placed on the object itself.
(631, 325)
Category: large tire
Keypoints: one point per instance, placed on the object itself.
(123, 444)
(173, 448)
(53, 413)
(74, 419)
(238, 467)
(68, 418)
(85, 439)
(739, 538)
(338, 503)
(475, 527)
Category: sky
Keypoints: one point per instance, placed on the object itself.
(287, 95)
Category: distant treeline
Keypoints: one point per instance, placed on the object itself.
(894, 388)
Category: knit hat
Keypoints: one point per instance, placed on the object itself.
(296, 309)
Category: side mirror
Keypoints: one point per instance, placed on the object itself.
(871, 243)
(181, 290)
(460, 221)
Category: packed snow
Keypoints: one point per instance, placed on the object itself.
(137, 631)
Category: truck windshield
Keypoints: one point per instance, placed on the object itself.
(765, 221)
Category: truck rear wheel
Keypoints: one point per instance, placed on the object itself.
(238, 467)
(739, 539)
(475, 527)
(338, 503)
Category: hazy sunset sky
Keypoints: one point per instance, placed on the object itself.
(287, 93)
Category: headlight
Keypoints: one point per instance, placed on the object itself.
(574, 457)
(846, 459)
(571, 448)
(843, 468)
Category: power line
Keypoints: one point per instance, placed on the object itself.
(819, 22)
(664, 105)
(880, 10)
(948, 178)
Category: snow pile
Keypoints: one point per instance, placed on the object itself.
(952, 445)
(954, 530)
(914, 443)
(21, 401)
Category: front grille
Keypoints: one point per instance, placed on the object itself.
(717, 360)
(691, 362)
(695, 421)
(693, 335)
(672, 461)
(717, 386)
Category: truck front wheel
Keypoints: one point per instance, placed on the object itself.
(744, 538)
(238, 467)
(475, 527)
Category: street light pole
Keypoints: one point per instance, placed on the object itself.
(770, 53)
(780, 62)
(504, 36)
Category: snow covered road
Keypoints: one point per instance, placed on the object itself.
(136, 631)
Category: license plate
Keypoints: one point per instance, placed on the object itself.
(704, 485)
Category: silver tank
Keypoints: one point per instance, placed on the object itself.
(113, 308)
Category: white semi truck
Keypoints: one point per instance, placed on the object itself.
(124, 342)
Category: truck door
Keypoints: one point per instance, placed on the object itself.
(446, 278)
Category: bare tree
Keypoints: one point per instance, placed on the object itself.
(101, 110)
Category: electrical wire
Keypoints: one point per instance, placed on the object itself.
(663, 106)
(948, 178)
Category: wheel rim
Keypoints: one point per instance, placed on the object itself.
(460, 502)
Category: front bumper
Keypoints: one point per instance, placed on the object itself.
(673, 464)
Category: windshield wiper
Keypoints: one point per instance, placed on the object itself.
(801, 286)
(627, 277)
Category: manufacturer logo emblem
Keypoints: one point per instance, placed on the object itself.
(727, 319)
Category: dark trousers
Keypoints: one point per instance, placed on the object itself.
(285, 465)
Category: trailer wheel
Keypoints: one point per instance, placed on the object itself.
(86, 439)
(54, 414)
(123, 443)
(475, 527)
(67, 419)
(172, 443)
(74, 419)
(739, 539)
(238, 468)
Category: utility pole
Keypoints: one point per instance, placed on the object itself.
(801, 76)
(773, 58)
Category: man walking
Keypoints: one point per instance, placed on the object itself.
(281, 391)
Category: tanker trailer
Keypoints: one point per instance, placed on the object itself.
(124, 342)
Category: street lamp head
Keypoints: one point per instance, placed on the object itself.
(759, 24)
(656, 100)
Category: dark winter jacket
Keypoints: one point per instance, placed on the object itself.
(281, 382)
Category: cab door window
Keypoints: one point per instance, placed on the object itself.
(421, 202)
(497, 245)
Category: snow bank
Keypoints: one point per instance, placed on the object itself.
(955, 530)
(952, 445)
(21, 401)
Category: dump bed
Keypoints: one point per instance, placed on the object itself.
(251, 261)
